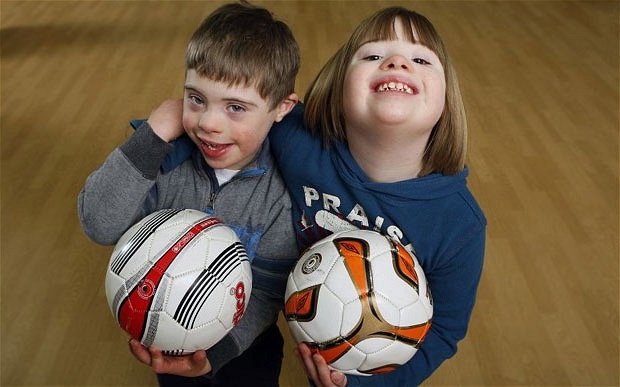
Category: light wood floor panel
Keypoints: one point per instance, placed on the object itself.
(541, 85)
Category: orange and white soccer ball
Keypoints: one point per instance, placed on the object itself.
(361, 300)
(178, 280)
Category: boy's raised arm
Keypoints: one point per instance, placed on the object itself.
(117, 194)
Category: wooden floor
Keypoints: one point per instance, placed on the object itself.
(541, 84)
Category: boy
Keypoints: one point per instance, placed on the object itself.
(241, 66)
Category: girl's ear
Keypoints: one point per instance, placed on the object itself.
(286, 106)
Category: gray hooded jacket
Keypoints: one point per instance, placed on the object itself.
(131, 184)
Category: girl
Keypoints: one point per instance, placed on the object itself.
(386, 151)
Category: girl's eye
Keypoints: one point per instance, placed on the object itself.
(236, 108)
(372, 57)
(421, 61)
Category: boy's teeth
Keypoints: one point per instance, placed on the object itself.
(395, 86)
(211, 146)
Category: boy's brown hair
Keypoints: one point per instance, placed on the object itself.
(446, 147)
(243, 44)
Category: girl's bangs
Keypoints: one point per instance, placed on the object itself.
(421, 31)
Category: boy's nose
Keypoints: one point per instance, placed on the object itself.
(209, 123)
(395, 62)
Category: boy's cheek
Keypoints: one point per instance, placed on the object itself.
(187, 123)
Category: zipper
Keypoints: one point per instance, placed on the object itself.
(211, 201)
(218, 188)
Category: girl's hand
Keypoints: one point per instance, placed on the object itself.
(192, 365)
(167, 120)
(317, 369)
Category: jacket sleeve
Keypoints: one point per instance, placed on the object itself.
(115, 195)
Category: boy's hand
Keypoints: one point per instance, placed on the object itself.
(167, 120)
(192, 365)
(317, 369)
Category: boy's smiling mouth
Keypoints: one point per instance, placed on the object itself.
(212, 149)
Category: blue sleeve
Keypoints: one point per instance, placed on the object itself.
(280, 133)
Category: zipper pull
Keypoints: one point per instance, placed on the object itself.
(212, 197)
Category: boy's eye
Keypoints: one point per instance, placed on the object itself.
(236, 108)
(372, 57)
(421, 61)
(195, 99)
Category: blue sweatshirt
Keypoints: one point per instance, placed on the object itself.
(436, 216)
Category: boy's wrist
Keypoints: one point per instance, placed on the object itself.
(146, 150)
(165, 136)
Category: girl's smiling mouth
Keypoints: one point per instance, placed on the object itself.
(394, 85)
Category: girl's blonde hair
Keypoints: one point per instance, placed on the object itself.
(243, 44)
(324, 113)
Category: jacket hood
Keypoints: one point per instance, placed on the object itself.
(428, 187)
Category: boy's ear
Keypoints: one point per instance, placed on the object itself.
(286, 106)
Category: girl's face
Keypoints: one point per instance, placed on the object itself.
(394, 84)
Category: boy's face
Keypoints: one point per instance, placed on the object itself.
(227, 123)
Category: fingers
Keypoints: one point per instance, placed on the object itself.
(318, 370)
(139, 351)
(158, 363)
(195, 364)
(199, 357)
(323, 370)
(305, 356)
(192, 365)
(338, 378)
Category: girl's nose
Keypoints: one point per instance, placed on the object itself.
(396, 62)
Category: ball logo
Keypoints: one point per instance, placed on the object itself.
(239, 292)
(350, 247)
(146, 289)
(180, 244)
(407, 266)
(210, 222)
(301, 303)
(311, 264)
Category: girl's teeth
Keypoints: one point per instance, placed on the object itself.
(393, 86)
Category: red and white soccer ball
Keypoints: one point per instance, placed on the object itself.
(179, 280)
(361, 300)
